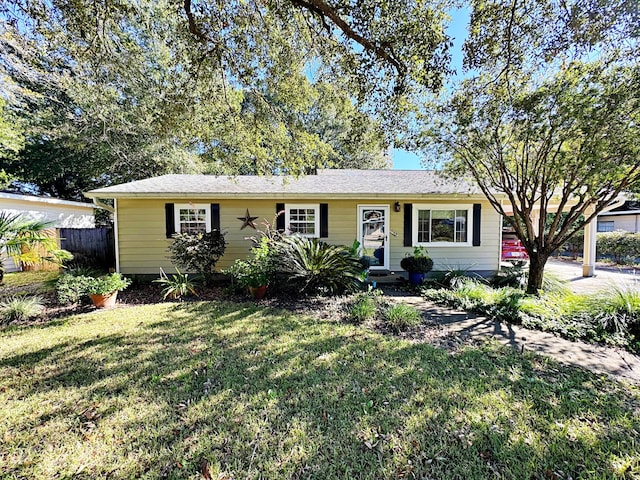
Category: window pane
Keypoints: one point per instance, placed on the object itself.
(193, 220)
(461, 226)
(442, 225)
(605, 226)
(423, 226)
(302, 221)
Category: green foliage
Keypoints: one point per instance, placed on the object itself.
(310, 266)
(20, 308)
(419, 262)
(511, 276)
(613, 316)
(259, 269)
(400, 317)
(72, 288)
(178, 286)
(618, 310)
(363, 307)
(28, 241)
(559, 108)
(107, 284)
(198, 252)
(623, 247)
(575, 244)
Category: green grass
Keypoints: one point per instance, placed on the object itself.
(151, 391)
(28, 283)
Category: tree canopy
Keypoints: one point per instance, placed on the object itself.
(550, 118)
(127, 89)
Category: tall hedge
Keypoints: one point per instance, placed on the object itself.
(621, 247)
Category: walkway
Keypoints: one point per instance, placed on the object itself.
(606, 360)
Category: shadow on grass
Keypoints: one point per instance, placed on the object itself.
(262, 393)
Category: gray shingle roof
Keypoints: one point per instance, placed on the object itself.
(333, 182)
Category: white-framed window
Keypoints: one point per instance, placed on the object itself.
(442, 225)
(302, 219)
(192, 217)
(605, 225)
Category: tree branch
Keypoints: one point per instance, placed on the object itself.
(325, 11)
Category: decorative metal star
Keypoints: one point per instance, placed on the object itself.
(247, 221)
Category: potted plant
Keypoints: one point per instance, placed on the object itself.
(104, 290)
(255, 272)
(418, 265)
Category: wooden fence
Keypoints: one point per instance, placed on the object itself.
(95, 246)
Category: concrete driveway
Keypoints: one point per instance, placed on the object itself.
(605, 277)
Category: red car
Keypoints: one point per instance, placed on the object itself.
(512, 248)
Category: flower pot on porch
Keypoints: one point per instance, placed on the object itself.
(104, 301)
(416, 278)
(258, 292)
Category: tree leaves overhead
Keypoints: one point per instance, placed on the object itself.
(128, 89)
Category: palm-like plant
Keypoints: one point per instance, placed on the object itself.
(317, 267)
(18, 232)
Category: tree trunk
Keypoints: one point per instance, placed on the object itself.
(537, 262)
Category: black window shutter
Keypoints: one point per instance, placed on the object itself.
(408, 227)
(324, 220)
(215, 216)
(170, 219)
(476, 224)
(280, 219)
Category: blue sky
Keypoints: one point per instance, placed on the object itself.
(457, 29)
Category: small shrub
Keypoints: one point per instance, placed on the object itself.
(177, 286)
(198, 252)
(400, 317)
(72, 289)
(18, 309)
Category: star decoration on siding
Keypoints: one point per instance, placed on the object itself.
(247, 221)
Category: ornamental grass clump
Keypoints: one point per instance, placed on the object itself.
(400, 317)
(19, 308)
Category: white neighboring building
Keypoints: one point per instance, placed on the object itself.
(60, 213)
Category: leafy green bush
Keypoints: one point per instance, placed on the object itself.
(620, 246)
(107, 284)
(312, 266)
(72, 289)
(18, 308)
(198, 252)
(400, 317)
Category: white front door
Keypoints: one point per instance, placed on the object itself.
(373, 235)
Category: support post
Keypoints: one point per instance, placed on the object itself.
(589, 255)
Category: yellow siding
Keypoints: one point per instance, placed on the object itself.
(143, 245)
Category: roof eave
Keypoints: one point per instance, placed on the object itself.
(280, 195)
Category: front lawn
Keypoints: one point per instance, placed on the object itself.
(239, 391)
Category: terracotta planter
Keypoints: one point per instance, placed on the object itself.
(104, 301)
(258, 292)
